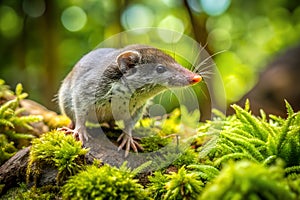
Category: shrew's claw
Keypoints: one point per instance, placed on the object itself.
(129, 142)
(69, 131)
(79, 135)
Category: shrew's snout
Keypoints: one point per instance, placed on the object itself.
(196, 78)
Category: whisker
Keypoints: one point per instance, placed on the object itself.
(190, 92)
(206, 73)
(206, 68)
(204, 62)
(198, 57)
(206, 77)
(206, 59)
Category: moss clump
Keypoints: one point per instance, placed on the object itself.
(37, 194)
(247, 180)
(157, 186)
(105, 182)
(23, 193)
(188, 157)
(154, 143)
(58, 150)
(180, 185)
(15, 130)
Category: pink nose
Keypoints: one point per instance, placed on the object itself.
(196, 79)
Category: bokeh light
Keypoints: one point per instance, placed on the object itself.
(195, 5)
(73, 18)
(137, 16)
(34, 8)
(171, 23)
(219, 40)
(235, 74)
(215, 7)
(10, 22)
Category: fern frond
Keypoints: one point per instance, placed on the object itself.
(241, 132)
(205, 172)
(233, 156)
(226, 148)
(273, 131)
(247, 118)
(263, 115)
(289, 108)
(271, 146)
(277, 119)
(270, 160)
(246, 146)
(293, 169)
(283, 132)
(256, 141)
(247, 105)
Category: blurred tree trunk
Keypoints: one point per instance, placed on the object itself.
(198, 24)
(50, 37)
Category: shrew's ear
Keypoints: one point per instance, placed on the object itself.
(128, 60)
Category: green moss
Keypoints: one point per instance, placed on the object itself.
(11, 122)
(180, 185)
(23, 193)
(105, 182)
(154, 143)
(157, 188)
(59, 150)
(247, 180)
(187, 157)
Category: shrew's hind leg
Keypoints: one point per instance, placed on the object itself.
(129, 142)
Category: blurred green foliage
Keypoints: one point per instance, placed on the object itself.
(246, 180)
(15, 130)
(42, 40)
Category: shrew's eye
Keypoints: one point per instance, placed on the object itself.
(161, 69)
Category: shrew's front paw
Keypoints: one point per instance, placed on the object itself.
(77, 134)
(129, 142)
(69, 131)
